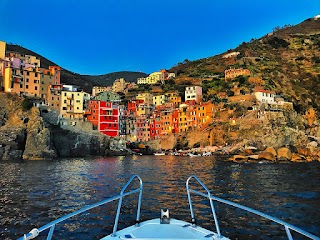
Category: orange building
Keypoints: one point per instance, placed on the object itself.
(48, 77)
(54, 96)
(232, 73)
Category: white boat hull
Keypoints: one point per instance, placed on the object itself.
(153, 229)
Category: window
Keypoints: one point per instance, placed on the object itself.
(64, 108)
(27, 79)
(27, 86)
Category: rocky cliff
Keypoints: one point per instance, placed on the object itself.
(39, 143)
(25, 135)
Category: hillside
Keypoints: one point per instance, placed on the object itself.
(288, 60)
(108, 79)
(84, 81)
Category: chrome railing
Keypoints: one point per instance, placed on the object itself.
(51, 226)
(208, 195)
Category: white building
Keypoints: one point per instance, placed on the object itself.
(265, 96)
(193, 93)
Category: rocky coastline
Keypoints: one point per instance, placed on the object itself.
(26, 135)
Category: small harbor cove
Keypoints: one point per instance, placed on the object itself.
(34, 193)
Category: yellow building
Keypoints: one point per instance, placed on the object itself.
(2, 50)
(119, 85)
(160, 100)
(97, 89)
(146, 97)
(72, 104)
(166, 121)
(153, 78)
(32, 60)
(22, 81)
(173, 97)
(183, 117)
(143, 109)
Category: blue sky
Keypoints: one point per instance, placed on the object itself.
(102, 36)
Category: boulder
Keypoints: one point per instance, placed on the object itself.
(271, 150)
(312, 144)
(237, 158)
(297, 158)
(254, 157)
(267, 156)
(303, 151)
(247, 151)
(284, 154)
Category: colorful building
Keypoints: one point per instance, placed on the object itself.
(160, 100)
(174, 97)
(166, 118)
(72, 103)
(108, 118)
(92, 112)
(119, 85)
(97, 89)
(146, 97)
(108, 96)
(153, 78)
(183, 116)
(54, 96)
(48, 77)
(193, 93)
(143, 129)
(232, 73)
(155, 126)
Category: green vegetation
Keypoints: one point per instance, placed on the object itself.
(27, 104)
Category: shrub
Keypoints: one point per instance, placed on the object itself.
(27, 104)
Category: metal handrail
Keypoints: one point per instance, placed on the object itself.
(34, 232)
(286, 225)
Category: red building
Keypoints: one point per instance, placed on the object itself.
(132, 107)
(175, 121)
(108, 118)
(93, 112)
(155, 126)
(105, 116)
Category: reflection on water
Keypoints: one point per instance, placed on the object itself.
(34, 193)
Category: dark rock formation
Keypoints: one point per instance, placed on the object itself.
(79, 144)
(38, 144)
(12, 142)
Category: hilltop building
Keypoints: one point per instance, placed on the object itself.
(156, 77)
(230, 74)
(97, 89)
(119, 85)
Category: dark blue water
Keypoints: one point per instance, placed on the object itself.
(34, 193)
